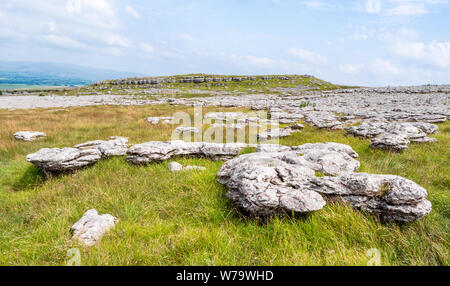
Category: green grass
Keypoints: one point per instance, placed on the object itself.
(184, 218)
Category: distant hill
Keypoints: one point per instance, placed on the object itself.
(53, 74)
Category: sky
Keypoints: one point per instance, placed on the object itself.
(355, 42)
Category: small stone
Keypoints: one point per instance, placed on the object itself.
(175, 167)
(91, 227)
(29, 135)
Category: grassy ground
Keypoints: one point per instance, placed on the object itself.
(184, 218)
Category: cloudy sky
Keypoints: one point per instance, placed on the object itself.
(364, 42)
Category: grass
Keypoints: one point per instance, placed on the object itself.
(184, 218)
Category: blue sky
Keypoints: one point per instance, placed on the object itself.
(364, 42)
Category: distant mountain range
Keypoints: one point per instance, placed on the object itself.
(54, 74)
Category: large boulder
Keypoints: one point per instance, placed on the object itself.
(29, 135)
(91, 227)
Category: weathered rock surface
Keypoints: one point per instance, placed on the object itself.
(266, 183)
(187, 129)
(175, 167)
(394, 135)
(276, 133)
(391, 197)
(60, 160)
(157, 151)
(91, 227)
(323, 119)
(156, 120)
(29, 135)
(262, 184)
(116, 146)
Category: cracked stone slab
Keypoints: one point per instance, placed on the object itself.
(92, 227)
(116, 146)
(29, 135)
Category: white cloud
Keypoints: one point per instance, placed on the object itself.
(412, 9)
(383, 67)
(187, 37)
(435, 53)
(148, 48)
(130, 10)
(351, 68)
(308, 56)
(373, 6)
(64, 41)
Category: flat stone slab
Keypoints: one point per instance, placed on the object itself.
(29, 135)
(91, 227)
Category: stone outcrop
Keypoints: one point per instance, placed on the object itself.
(29, 135)
(91, 227)
(267, 183)
(62, 160)
(157, 151)
(176, 167)
(394, 135)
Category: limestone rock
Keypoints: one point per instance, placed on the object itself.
(29, 135)
(57, 160)
(263, 185)
(156, 120)
(275, 133)
(157, 151)
(390, 142)
(391, 197)
(91, 227)
(175, 167)
(187, 129)
(116, 146)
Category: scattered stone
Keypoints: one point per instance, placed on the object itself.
(29, 135)
(390, 142)
(323, 119)
(275, 133)
(156, 120)
(187, 130)
(91, 227)
(175, 167)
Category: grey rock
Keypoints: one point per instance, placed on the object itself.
(175, 167)
(29, 135)
(158, 151)
(187, 129)
(390, 142)
(91, 227)
(156, 120)
(57, 160)
(116, 146)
